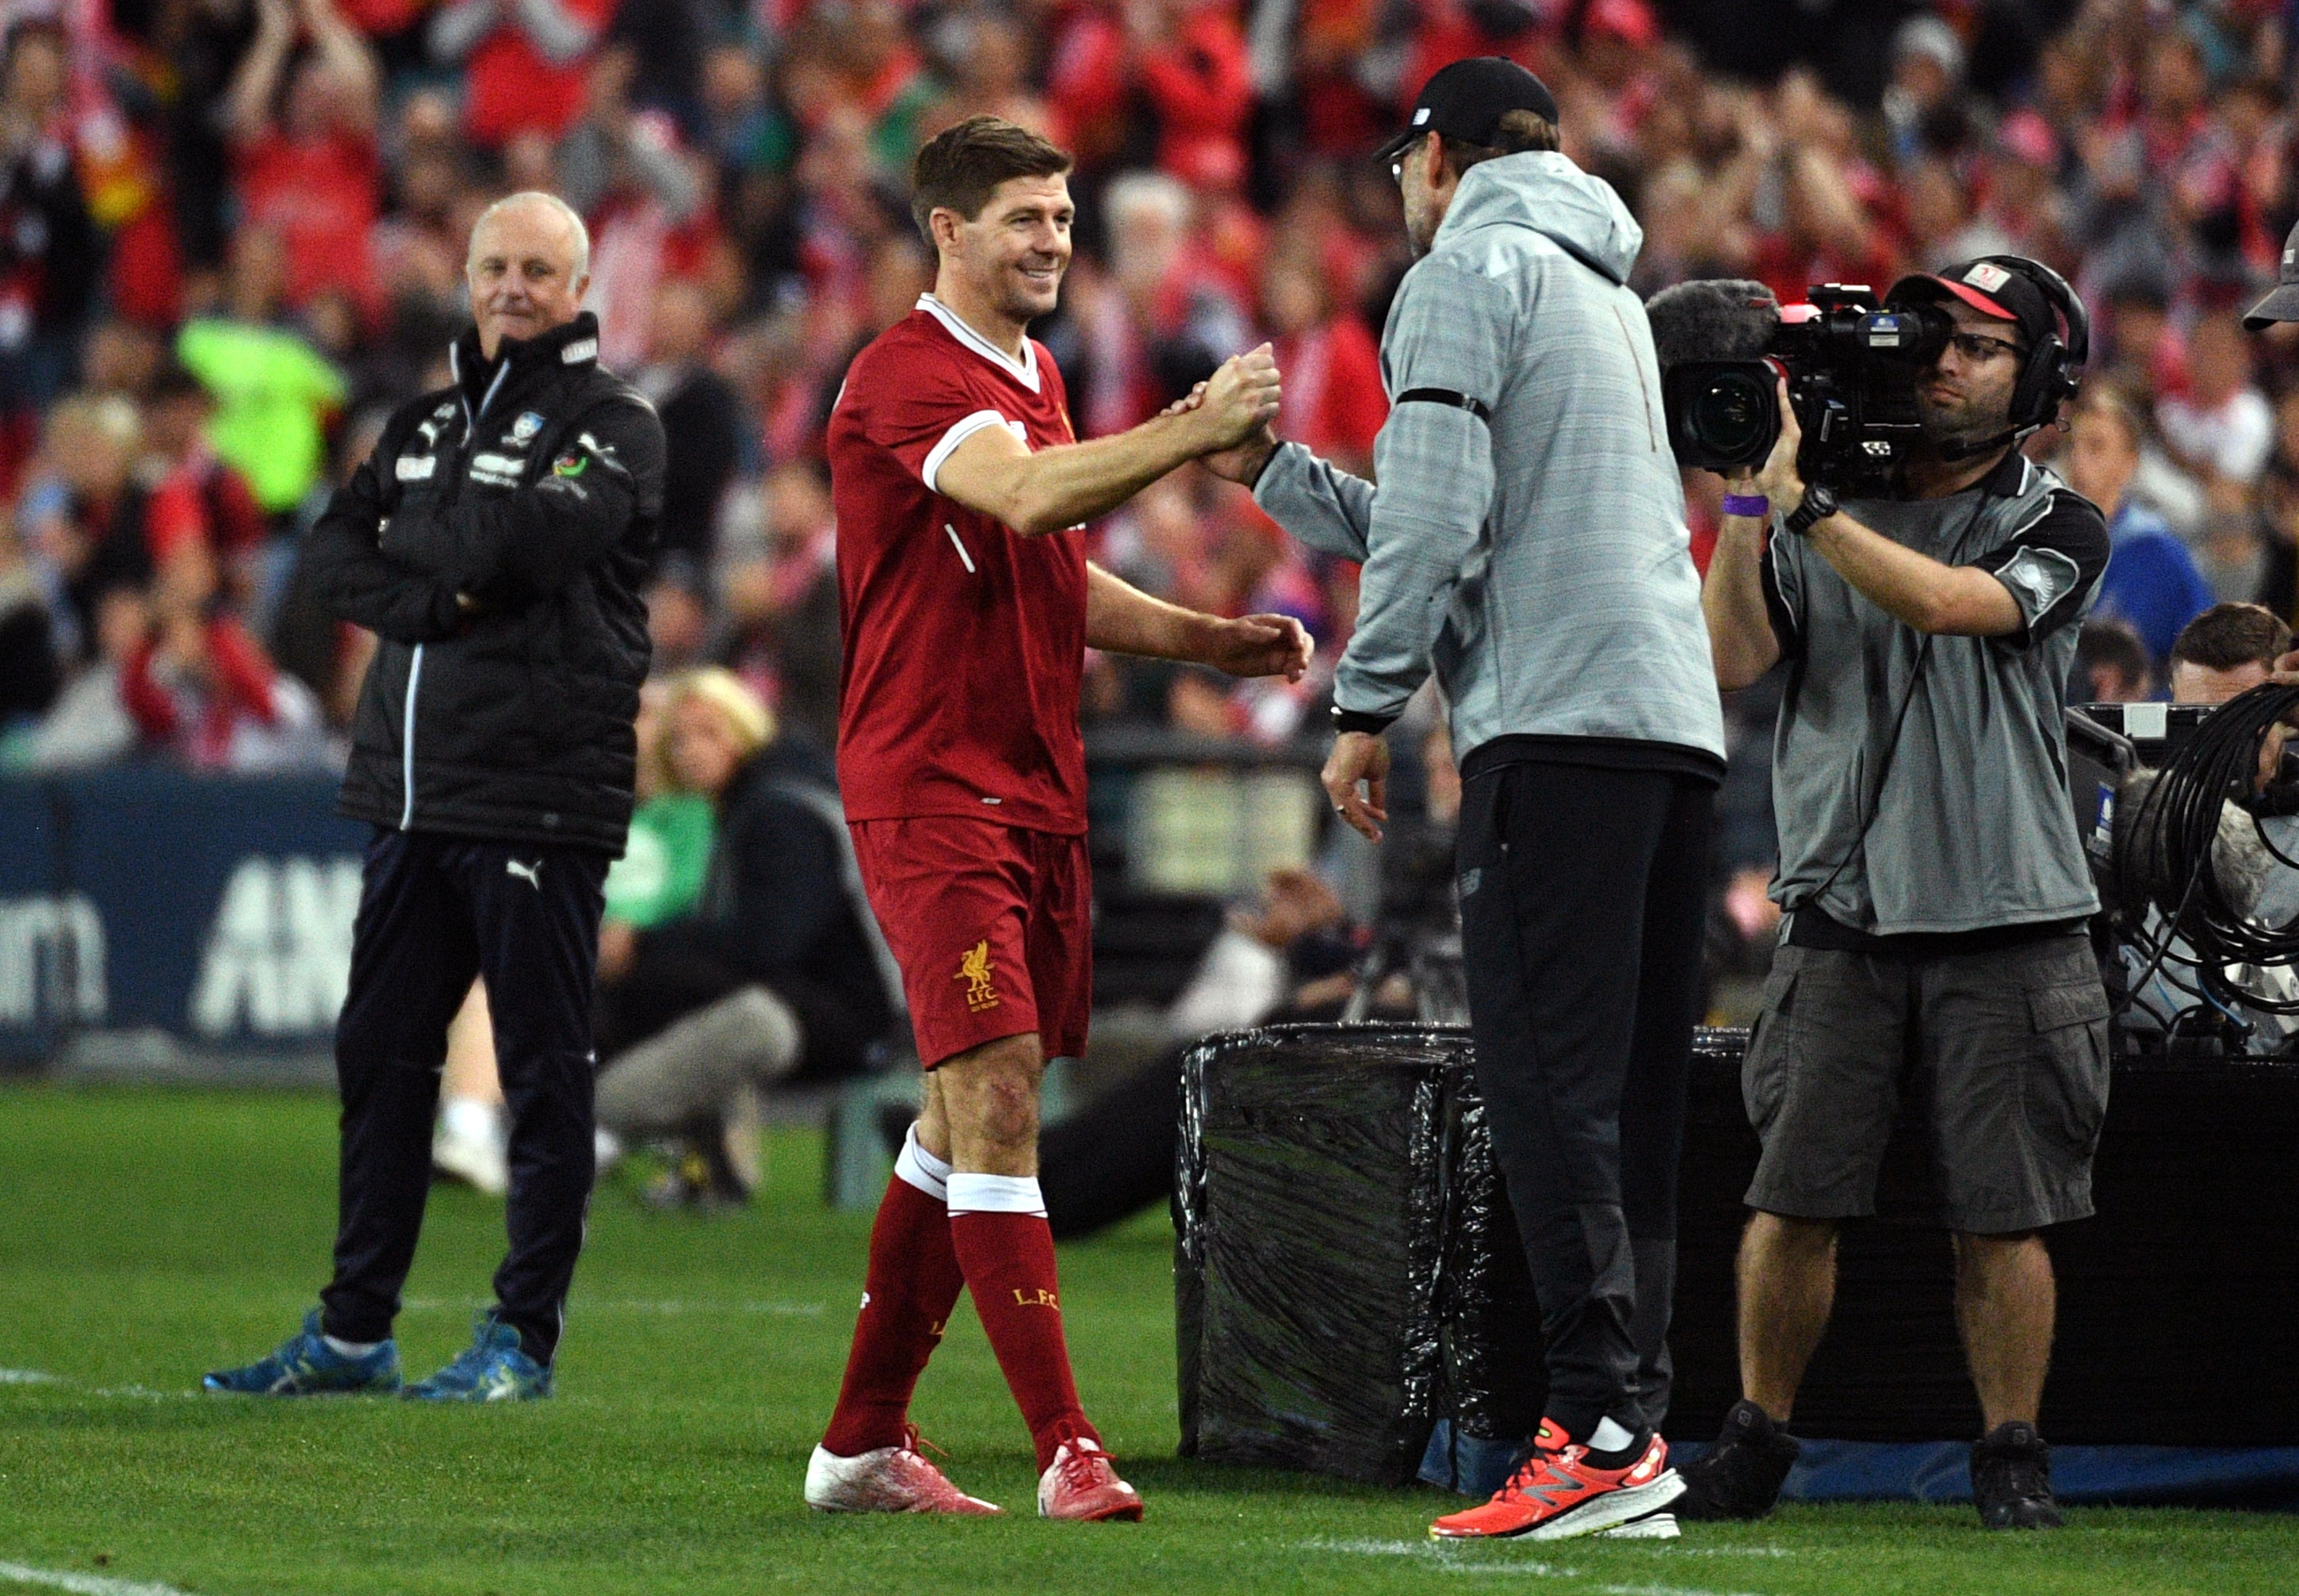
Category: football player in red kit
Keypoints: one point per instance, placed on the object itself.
(967, 606)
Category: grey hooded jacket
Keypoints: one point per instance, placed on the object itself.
(1537, 555)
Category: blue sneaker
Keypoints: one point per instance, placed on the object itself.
(305, 1365)
(491, 1369)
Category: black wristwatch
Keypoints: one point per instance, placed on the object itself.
(1819, 504)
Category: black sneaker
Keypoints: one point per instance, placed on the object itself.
(1739, 1477)
(2012, 1478)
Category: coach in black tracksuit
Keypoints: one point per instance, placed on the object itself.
(495, 542)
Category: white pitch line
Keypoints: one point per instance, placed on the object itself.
(1510, 1570)
(1443, 1557)
(675, 1306)
(29, 1376)
(1446, 1559)
(83, 1584)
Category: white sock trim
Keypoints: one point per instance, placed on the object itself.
(915, 1165)
(1610, 1435)
(996, 1194)
(350, 1349)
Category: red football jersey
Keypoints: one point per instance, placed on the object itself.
(964, 641)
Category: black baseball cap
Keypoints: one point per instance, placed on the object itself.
(1989, 288)
(2282, 301)
(1467, 100)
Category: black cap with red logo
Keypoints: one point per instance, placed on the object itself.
(1992, 290)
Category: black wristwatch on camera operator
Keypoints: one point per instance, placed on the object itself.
(1819, 504)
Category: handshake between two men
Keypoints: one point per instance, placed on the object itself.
(1239, 403)
(1225, 420)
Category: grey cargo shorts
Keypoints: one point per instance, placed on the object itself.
(2008, 1048)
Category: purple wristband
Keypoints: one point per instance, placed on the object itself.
(1755, 504)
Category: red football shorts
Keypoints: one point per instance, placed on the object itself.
(993, 926)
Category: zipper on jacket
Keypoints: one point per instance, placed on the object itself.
(1636, 359)
(415, 665)
(407, 741)
(471, 418)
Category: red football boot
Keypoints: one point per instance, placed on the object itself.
(888, 1479)
(1082, 1483)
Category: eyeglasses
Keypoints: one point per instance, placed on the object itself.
(1979, 348)
(1396, 161)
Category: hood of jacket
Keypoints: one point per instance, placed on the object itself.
(1543, 190)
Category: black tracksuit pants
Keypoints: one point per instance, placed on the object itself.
(1584, 893)
(436, 911)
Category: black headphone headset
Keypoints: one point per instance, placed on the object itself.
(2054, 366)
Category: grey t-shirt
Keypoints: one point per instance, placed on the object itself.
(1972, 828)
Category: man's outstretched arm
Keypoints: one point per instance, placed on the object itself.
(1318, 503)
(1120, 618)
(1051, 490)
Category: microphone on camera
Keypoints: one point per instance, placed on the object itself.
(1712, 320)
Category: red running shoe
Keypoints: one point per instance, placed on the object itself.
(1082, 1483)
(1556, 1495)
(888, 1479)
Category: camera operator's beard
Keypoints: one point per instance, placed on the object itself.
(1960, 425)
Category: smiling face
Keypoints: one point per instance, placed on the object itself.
(1966, 394)
(525, 272)
(1010, 259)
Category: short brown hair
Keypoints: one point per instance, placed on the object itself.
(1517, 132)
(2228, 635)
(961, 167)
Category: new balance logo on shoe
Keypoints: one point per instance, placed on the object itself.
(532, 874)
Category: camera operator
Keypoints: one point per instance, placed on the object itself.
(1527, 536)
(2176, 1002)
(1935, 888)
(2226, 652)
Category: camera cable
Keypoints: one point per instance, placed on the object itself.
(2165, 858)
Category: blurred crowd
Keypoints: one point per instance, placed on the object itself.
(231, 235)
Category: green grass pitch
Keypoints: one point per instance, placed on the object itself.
(146, 1235)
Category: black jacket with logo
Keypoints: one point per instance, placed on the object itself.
(532, 486)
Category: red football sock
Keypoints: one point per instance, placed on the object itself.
(912, 1284)
(1009, 1259)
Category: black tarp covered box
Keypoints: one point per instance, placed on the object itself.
(1348, 1272)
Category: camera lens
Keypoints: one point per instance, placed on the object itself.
(1732, 413)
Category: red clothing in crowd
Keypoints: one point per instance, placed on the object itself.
(382, 19)
(1195, 81)
(321, 196)
(202, 501)
(1333, 398)
(1086, 86)
(510, 87)
(1199, 83)
(200, 725)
